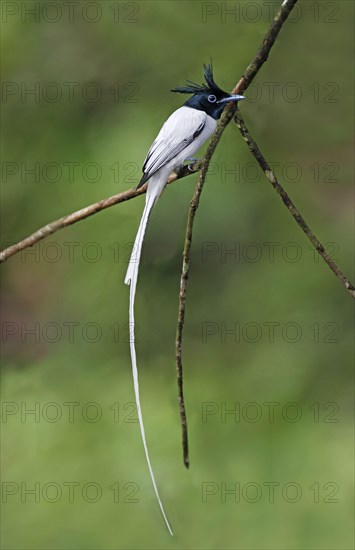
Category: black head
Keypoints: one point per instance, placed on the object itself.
(207, 97)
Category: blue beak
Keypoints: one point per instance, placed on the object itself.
(231, 98)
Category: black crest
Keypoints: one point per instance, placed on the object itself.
(201, 88)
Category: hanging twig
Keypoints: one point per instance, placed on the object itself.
(255, 151)
(250, 72)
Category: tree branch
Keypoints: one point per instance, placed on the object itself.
(255, 151)
(74, 217)
(248, 75)
(87, 211)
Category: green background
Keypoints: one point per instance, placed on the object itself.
(75, 279)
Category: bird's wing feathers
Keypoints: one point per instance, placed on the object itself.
(181, 129)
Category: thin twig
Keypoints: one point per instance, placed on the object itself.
(248, 75)
(255, 151)
(87, 211)
(183, 281)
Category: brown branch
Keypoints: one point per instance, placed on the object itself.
(255, 151)
(87, 211)
(248, 75)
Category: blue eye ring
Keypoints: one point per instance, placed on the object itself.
(212, 98)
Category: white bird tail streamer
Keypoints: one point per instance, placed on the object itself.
(153, 193)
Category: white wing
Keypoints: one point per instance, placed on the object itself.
(178, 132)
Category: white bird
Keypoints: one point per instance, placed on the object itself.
(179, 138)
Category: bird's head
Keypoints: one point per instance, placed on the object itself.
(207, 97)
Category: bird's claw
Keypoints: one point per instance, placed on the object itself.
(191, 162)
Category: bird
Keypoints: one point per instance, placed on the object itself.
(180, 137)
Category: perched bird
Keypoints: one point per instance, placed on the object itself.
(180, 137)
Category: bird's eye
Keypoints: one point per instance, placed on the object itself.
(212, 98)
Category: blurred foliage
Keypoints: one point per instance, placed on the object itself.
(129, 59)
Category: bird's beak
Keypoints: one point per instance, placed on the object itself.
(231, 98)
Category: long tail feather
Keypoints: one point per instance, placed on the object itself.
(131, 279)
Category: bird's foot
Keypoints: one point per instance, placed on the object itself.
(191, 161)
